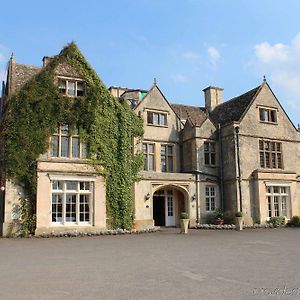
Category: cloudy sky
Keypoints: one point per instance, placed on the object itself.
(186, 45)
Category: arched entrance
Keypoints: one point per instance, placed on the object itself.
(168, 203)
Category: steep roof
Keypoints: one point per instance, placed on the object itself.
(232, 110)
(23, 73)
(195, 114)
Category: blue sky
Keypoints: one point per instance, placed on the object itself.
(187, 45)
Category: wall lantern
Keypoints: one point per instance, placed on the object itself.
(147, 197)
(194, 197)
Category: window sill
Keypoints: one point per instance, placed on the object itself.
(270, 169)
(266, 122)
(67, 159)
(161, 126)
(70, 224)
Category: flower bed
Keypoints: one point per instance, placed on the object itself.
(232, 226)
(76, 233)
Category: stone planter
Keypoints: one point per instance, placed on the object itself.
(238, 223)
(184, 224)
(219, 221)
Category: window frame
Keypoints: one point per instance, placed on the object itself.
(147, 154)
(64, 192)
(274, 201)
(76, 81)
(160, 116)
(270, 154)
(268, 115)
(60, 136)
(168, 155)
(210, 155)
(210, 198)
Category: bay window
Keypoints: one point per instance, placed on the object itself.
(278, 201)
(71, 202)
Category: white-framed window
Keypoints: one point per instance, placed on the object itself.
(167, 158)
(157, 118)
(278, 201)
(210, 198)
(149, 156)
(71, 87)
(268, 115)
(210, 153)
(66, 143)
(270, 154)
(71, 202)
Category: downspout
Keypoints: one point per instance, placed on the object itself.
(221, 167)
(239, 177)
(197, 184)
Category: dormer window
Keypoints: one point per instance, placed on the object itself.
(156, 118)
(72, 88)
(268, 115)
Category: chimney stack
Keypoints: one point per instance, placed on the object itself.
(213, 97)
(46, 60)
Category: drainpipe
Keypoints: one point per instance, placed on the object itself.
(197, 197)
(197, 184)
(221, 167)
(239, 177)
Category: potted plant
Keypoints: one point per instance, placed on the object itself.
(219, 217)
(239, 221)
(184, 222)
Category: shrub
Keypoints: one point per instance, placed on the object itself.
(277, 221)
(218, 214)
(184, 215)
(295, 221)
(238, 214)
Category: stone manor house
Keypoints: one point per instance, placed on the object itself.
(237, 155)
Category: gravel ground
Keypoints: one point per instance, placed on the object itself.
(205, 264)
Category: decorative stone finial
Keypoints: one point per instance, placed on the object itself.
(265, 78)
(12, 56)
(154, 81)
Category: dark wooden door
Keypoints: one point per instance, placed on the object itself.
(159, 210)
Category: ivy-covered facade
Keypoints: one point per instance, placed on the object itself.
(66, 157)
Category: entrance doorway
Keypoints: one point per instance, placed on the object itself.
(163, 208)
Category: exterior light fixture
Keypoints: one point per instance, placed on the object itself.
(147, 197)
(194, 197)
(2, 188)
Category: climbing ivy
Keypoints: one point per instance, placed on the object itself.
(107, 125)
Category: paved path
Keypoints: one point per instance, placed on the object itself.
(165, 265)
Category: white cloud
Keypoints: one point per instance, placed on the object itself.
(269, 54)
(296, 42)
(179, 78)
(288, 80)
(281, 61)
(191, 55)
(214, 54)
